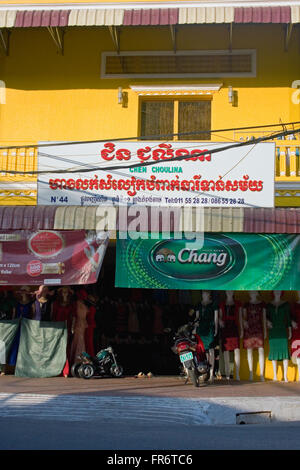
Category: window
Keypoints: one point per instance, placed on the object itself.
(159, 118)
(163, 64)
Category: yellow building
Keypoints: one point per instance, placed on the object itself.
(61, 67)
(82, 71)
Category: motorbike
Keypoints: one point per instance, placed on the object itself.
(103, 364)
(192, 355)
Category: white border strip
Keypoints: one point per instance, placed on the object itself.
(204, 87)
(146, 5)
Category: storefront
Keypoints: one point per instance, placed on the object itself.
(144, 291)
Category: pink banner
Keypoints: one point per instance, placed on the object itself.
(51, 257)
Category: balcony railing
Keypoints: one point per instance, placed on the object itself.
(287, 154)
(18, 159)
(287, 162)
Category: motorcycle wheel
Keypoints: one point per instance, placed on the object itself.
(203, 378)
(116, 371)
(74, 369)
(86, 371)
(193, 377)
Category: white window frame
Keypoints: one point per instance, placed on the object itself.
(252, 52)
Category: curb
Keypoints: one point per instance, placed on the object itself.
(262, 410)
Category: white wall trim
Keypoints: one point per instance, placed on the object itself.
(176, 90)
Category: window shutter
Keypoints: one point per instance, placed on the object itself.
(194, 116)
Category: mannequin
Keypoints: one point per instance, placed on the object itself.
(278, 321)
(42, 307)
(62, 306)
(207, 327)
(88, 300)
(62, 311)
(296, 333)
(89, 332)
(78, 327)
(230, 312)
(254, 331)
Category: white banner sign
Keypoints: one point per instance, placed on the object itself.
(94, 173)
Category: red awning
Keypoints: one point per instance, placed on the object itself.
(248, 220)
(279, 220)
(36, 18)
(158, 16)
(262, 15)
(28, 217)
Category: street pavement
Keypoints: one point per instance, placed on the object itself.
(29, 434)
(156, 413)
(161, 386)
(217, 403)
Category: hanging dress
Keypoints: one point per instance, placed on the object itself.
(78, 343)
(121, 319)
(63, 313)
(22, 311)
(206, 327)
(295, 341)
(158, 327)
(230, 332)
(253, 333)
(89, 332)
(42, 311)
(133, 321)
(280, 318)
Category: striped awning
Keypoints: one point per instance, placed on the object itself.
(262, 15)
(94, 16)
(248, 220)
(206, 15)
(295, 13)
(38, 18)
(7, 18)
(154, 17)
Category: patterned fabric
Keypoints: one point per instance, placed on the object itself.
(206, 327)
(230, 332)
(253, 326)
(280, 318)
(295, 341)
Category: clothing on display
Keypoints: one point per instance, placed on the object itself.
(140, 324)
(80, 325)
(133, 321)
(295, 316)
(22, 311)
(280, 318)
(229, 333)
(89, 332)
(206, 326)
(253, 326)
(41, 310)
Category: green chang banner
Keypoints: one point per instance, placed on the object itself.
(221, 261)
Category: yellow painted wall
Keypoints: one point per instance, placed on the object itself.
(55, 97)
(52, 97)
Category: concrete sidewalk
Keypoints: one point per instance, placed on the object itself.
(160, 386)
(219, 403)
